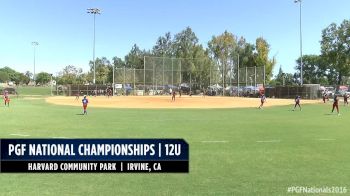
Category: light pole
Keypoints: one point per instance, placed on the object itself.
(51, 84)
(34, 44)
(113, 79)
(94, 11)
(301, 43)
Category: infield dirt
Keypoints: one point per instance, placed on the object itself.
(165, 102)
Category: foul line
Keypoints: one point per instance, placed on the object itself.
(214, 141)
(268, 141)
(22, 135)
(325, 139)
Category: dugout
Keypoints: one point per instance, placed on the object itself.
(90, 90)
(307, 91)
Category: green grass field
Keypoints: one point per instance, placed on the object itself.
(264, 153)
(30, 90)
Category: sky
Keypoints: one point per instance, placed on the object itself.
(64, 30)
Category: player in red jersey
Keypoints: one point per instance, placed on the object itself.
(335, 104)
(346, 96)
(173, 93)
(6, 98)
(297, 102)
(85, 102)
(325, 97)
(262, 99)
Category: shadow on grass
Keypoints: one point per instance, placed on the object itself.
(80, 114)
(330, 114)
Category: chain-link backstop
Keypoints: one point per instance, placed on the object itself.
(160, 74)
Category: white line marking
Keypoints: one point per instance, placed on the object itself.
(59, 137)
(323, 139)
(268, 141)
(22, 135)
(214, 141)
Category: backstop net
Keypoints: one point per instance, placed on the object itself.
(160, 74)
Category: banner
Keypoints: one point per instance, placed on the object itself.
(94, 155)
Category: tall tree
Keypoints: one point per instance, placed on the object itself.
(71, 75)
(102, 69)
(335, 48)
(315, 70)
(42, 78)
(246, 53)
(117, 63)
(135, 58)
(262, 57)
(223, 49)
(184, 43)
(4, 77)
(164, 46)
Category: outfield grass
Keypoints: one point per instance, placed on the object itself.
(31, 90)
(308, 148)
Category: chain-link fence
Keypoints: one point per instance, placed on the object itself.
(160, 74)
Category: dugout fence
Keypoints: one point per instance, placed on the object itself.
(290, 92)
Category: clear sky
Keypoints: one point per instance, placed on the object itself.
(65, 31)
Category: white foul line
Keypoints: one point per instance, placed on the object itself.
(22, 135)
(214, 141)
(268, 141)
(322, 139)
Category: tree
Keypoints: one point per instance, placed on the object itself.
(4, 77)
(42, 78)
(184, 43)
(71, 75)
(102, 69)
(262, 57)
(28, 74)
(135, 58)
(246, 53)
(335, 49)
(286, 79)
(24, 79)
(117, 63)
(164, 46)
(315, 70)
(223, 49)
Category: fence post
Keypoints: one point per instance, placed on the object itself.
(124, 82)
(264, 75)
(210, 75)
(223, 79)
(163, 72)
(246, 76)
(254, 78)
(180, 73)
(172, 72)
(238, 75)
(153, 78)
(134, 82)
(144, 75)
